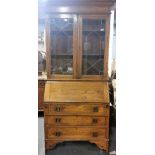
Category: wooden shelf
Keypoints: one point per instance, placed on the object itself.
(61, 30)
(53, 55)
(92, 31)
(62, 54)
(71, 31)
(93, 54)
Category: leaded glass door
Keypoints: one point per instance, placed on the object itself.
(92, 46)
(61, 45)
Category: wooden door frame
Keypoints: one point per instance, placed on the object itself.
(47, 47)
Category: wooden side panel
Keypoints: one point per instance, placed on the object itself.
(47, 92)
(106, 52)
(40, 98)
(48, 48)
(75, 91)
(41, 88)
(76, 109)
(75, 121)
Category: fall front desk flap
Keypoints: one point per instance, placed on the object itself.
(75, 91)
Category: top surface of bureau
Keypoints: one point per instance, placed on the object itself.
(76, 91)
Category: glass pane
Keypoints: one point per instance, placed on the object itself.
(61, 46)
(93, 46)
(41, 46)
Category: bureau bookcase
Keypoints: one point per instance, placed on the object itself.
(76, 98)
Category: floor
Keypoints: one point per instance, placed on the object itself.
(74, 148)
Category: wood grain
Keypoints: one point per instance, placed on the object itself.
(76, 92)
(75, 120)
(41, 89)
(48, 47)
(76, 109)
(75, 9)
(78, 133)
(75, 47)
(101, 143)
(106, 52)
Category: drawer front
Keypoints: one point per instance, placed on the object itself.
(75, 121)
(76, 108)
(80, 133)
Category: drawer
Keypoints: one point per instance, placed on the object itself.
(76, 109)
(75, 120)
(73, 133)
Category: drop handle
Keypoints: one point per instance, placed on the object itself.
(94, 120)
(95, 109)
(58, 120)
(57, 109)
(57, 134)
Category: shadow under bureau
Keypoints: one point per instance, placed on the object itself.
(76, 111)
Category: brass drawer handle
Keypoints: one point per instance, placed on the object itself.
(58, 120)
(95, 134)
(94, 120)
(57, 109)
(58, 134)
(95, 109)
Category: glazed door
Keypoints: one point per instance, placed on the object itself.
(93, 47)
(61, 46)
